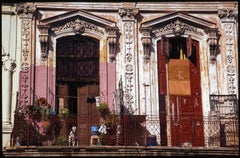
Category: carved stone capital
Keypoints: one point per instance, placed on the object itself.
(9, 65)
(43, 39)
(212, 40)
(228, 14)
(112, 42)
(25, 10)
(128, 13)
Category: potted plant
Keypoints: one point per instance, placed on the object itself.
(107, 121)
(61, 141)
(64, 112)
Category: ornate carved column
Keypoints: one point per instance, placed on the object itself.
(228, 18)
(25, 11)
(9, 66)
(130, 83)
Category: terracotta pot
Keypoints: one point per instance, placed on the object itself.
(46, 124)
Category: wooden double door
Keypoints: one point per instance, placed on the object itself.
(77, 80)
(181, 118)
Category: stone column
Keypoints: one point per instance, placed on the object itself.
(8, 67)
(130, 80)
(26, 12)
(228, 18)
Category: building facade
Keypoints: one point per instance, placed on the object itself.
(171, 62)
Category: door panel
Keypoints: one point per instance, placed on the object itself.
(87, 113)
(186, 120)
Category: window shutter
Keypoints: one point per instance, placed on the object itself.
(189, 46)
(165, 48)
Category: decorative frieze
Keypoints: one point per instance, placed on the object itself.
(178, 28)
(77, 26)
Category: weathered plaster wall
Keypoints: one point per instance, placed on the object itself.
(214, 75)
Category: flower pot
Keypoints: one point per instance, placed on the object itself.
(46, 124)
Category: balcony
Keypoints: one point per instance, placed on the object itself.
(141, 132)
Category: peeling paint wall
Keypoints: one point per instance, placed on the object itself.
(140, 78)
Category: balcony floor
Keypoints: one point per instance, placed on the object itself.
(117, 151)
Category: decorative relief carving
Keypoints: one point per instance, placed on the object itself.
(129, 49)
(228, 16)
(24, 97)
(112, 42)
(146, 42)
(9, 65)
(78, 26)
(212, 40)
(128, 13)
(178, 28)
(43, 39)
(25, 11)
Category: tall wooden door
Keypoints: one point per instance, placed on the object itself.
(179, 78)
(77, 79)
(87, 113)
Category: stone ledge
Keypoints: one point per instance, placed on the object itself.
(120, 151)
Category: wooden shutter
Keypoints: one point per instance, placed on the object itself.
(165, 46)
(189, 46)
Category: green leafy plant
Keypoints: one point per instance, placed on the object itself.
(64, 112)
(61, 140)
(103, 109)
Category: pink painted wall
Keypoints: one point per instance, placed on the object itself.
(45, 79)
(107, 83)
(111, 85)
(41, 81)
(45, 83)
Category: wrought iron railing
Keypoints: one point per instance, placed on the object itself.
(220, 128)
(133, 131)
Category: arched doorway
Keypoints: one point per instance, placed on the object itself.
(77, 81)
(179, 80)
